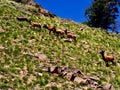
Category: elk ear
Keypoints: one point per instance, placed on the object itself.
(100, 51)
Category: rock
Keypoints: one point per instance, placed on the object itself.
(108, 87)
(92, 82)
(57, 70)
(95, 78)
(63, 73)
(54, 69)
(80, 72)
(51, 69)
(41, 57)
(40, 74)
(68, 76)
(80, 80)
(72, 58)
(67, 40)
(99, 88)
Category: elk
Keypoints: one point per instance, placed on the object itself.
(50, 28)
(22, 19)
(46, 13)
(70, 34)
(59, 31)
(34, 24)
(107, 58)
(41, 10)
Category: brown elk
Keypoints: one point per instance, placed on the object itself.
(59, 31)
(70, 34)
(50, 28)
(34, 24)
(20, 18)
(107, 58)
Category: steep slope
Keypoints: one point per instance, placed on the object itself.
(26, 50)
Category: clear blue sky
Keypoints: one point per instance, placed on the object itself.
(70, 9)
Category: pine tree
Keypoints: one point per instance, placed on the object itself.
(103, 13)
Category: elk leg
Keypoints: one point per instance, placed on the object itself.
(107, 64)
(113, 62)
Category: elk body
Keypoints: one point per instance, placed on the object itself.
(107, 58)
(50, 28)
(46, 13)
(34, 24)
(59, 31)
(22, 19)
(70, 35)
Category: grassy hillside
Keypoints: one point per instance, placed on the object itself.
(21, 45)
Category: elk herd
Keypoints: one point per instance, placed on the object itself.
(54, 29)
(65, 32)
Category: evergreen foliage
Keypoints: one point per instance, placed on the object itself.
(103, 13)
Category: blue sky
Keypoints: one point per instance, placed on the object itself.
(70, 9)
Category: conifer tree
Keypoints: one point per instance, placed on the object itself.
(103, 13)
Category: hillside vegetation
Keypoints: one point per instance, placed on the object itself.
(25, 50)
